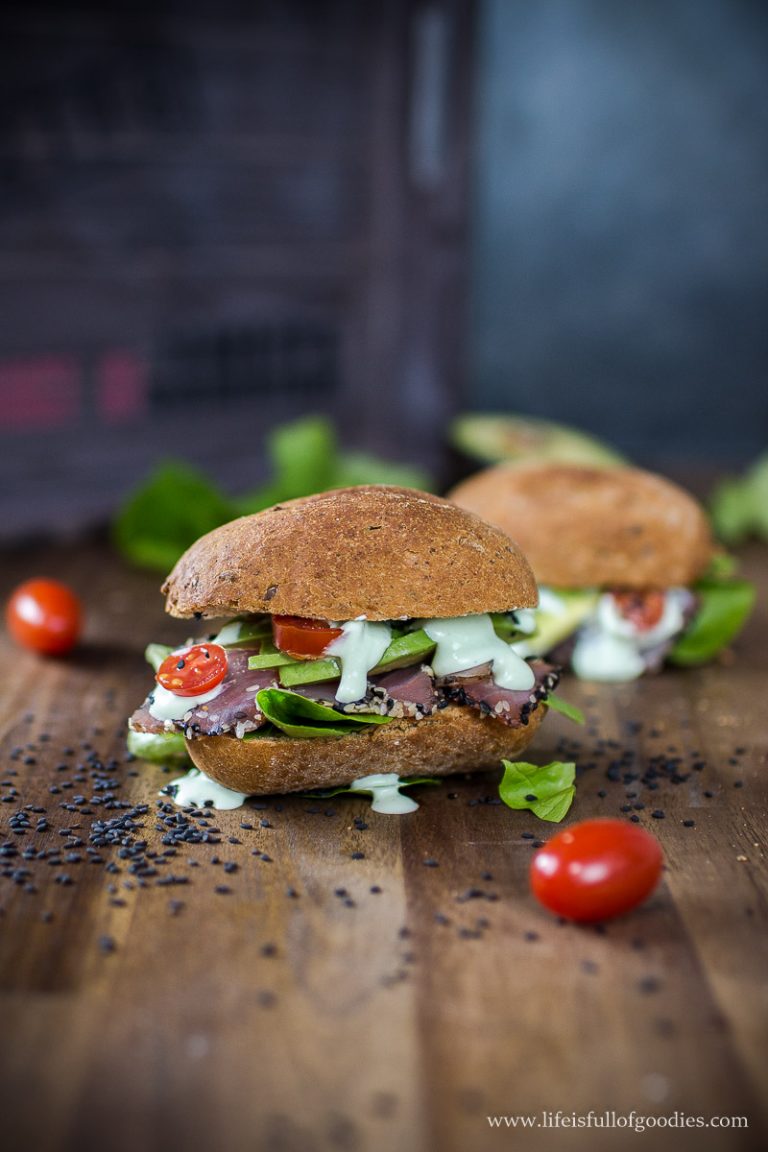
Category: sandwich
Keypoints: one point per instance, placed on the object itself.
(629, 575)
(363, 631)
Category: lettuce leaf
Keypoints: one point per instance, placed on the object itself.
(159, 747)
(177, 504)
(154, 654)
(301, 718)
(565, 708)
(546, 790)
(739, 508)
(724, 607)
(172, 509)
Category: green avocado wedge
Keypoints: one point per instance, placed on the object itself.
(493, 437)
(309, 672)
(404, 650)
(552, 628)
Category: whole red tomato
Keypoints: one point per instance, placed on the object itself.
(596, 869)
(44, 615)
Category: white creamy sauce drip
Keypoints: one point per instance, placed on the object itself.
(195, 788)
(168, 706)
(467, 641)
(359, 648)
(550, 602)
(610, 647)
(386, 794)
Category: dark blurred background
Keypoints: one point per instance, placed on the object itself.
(218, 217)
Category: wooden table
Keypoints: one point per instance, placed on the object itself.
(336, 990)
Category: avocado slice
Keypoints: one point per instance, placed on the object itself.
(506, 626)
(406, 649)
(270, 657)
(308, 672)
(410, 648)
(554, 627)
(493, 437)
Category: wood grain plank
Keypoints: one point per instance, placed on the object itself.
(304, 1010)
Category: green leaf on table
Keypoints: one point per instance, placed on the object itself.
(362, 468)
(303, 457)
(565, 708)
(546, 790)
(723, 610)
(739, 507)
(163, 517)
(302, 718)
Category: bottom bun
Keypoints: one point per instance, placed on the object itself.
(455, 739)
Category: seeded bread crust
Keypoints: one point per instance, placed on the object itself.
(456, 739)
(594, 527)
(375, 551)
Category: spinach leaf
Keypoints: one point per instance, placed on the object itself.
(302, 718)
(166, 514)
(723, 610)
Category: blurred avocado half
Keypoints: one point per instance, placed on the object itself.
(492, 438)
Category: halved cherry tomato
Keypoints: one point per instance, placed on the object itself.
(303, 637)
(44, 615)
(596, 869)
(193, 671)
(643, 609)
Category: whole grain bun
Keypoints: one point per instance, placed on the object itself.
(375, 551)
(587, 527)
(455, 739)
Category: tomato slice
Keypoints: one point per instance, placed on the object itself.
(302, 637)
(596, 869)
(643, 609)
(193, 671)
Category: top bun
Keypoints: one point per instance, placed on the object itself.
(594, 527)
(375, 551)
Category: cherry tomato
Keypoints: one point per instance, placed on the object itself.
(193, 671)
(643, 609)
(44, 615)
(596, 869)
(302, 637)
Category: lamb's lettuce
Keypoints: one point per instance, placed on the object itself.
(302, 718)
(546, 790)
